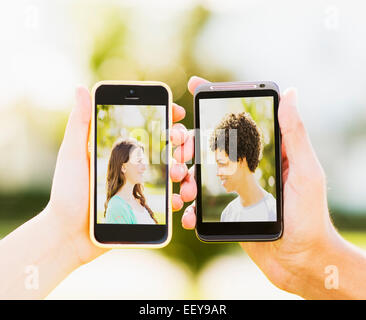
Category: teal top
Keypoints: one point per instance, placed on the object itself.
(119, 211)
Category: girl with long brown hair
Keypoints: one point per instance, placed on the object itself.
(125, 201)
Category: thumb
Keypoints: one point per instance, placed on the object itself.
(295, 139)
(75, 142)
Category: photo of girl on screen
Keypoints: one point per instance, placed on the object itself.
(125, 201)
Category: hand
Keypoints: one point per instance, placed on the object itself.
(183, 140)
(307, 225)
(69, 201)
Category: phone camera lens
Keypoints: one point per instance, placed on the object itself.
(132, 92)
(262, 85)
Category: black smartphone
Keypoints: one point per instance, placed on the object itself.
(130, 158)
(238, 162)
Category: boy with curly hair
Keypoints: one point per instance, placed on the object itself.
(236, 169)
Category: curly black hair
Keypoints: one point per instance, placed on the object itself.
(249, 144)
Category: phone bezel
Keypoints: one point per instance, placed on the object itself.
(238, 231)
(125, 235)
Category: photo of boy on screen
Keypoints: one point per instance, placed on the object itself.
(236, 169)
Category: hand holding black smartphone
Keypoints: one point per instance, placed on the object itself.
(238, 162)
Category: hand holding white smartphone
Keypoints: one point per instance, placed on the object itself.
(130, 189)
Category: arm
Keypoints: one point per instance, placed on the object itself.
(34, 259)
(56, 241)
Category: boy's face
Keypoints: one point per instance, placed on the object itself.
(229, 172)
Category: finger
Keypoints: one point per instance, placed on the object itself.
(189, 217)
(75, 142)
(178, 134)
(185, 152)
(178, 112)
(194, 82)
(296, 142)
(178, 171)
(285, 166)
(188, 187)
(283, 152)
(177, 202)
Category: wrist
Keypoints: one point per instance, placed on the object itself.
(318, 277)
(74, 236)
(60, 239)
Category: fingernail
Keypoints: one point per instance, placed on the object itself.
(77, 94)
(182, 170)
(192, 79)
(291, 95)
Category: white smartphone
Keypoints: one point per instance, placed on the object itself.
(130, 158)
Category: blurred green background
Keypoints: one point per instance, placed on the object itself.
(51, 47)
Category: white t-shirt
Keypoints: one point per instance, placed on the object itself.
(264, 210)
(143, 217)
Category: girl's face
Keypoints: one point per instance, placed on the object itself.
(136, 166)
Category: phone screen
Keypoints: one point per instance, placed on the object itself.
(131, 189)
(239, 162)
(131, 176)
